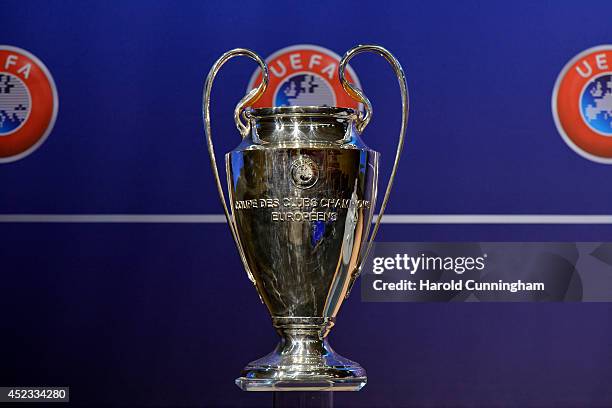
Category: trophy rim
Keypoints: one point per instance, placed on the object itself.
(335, 111)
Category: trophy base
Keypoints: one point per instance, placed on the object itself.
(302, 361)
(352, 384)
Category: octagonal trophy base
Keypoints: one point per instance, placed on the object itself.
(302, 362)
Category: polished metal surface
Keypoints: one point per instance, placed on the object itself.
(302, 190)
(363, 121)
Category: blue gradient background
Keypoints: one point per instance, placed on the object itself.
(163, 315)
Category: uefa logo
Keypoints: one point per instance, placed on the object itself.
(304, 75)
(582, 104)
(28, 103)
(304, 173)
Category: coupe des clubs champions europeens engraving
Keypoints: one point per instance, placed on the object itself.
(302, 190)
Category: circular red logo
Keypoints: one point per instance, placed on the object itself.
(28, 103)
(582, 104)
(304, 75)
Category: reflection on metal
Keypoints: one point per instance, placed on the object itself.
(302, 190)
(586, 219)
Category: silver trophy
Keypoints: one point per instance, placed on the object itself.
(302, 190)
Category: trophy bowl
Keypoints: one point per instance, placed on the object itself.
(302, 188)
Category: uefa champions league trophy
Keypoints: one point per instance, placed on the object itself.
(302, 191)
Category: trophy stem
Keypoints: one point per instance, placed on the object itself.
(303, 360)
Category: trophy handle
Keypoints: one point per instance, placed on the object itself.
(363, 120)
(243, 125)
